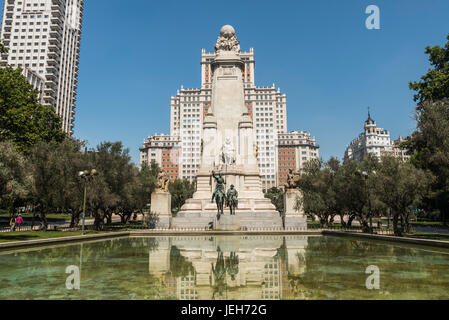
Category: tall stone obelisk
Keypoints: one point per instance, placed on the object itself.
(229, 147)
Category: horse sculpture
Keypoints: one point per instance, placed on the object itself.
(219, 200)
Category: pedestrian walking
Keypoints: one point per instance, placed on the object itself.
(19, 221)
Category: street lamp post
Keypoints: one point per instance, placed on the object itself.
(365, 175)
(87, 176)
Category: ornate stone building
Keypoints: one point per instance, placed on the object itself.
(373, 140)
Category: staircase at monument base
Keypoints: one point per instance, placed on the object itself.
(241, 221)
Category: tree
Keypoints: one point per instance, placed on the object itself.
(23, 120)
(318, 195)
(145, 184)
(56, 185)
(114, 184)
(3, 48)
(15, 177)
(400, 185)
(434, 85)
(277, 198)
(180, 191)
(430, 145)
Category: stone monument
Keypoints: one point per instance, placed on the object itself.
(228, 148)
(294, 217)
(161, 201)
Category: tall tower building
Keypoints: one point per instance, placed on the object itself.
(44, 36)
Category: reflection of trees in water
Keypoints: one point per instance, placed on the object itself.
(335, 268)
(179, 266)
(115, 260)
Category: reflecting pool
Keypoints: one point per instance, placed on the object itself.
(226, 267)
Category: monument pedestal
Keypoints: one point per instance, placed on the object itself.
(228, 223)
(161, 205)
(293, 218)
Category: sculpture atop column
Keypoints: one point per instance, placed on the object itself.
(294, 218)
(162, 182)
(227, 40)
(292, 179)
(161, 200)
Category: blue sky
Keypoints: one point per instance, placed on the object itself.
(136, 54)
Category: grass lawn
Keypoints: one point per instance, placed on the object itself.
(430, 236)
(35, 235)
(437, 224)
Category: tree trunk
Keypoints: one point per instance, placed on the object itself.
(407, 225)
(342, 221)
(99, 220)
(397, 230)
(75, 219)
(365, 225)
(108, 217)
(350, 220)
(324, 222)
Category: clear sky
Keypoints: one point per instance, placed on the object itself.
(135, 55)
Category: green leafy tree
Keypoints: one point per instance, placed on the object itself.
(180, 191)
(430, 145)
(15, 177)
(434, 85)
(56, 185)
(400, 185)
(3, 48)
(319, 197)
(23, 120)
(118, 173)
(277, 198)
(145, 184)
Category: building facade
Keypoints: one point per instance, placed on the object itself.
(266, 105)
(397, 151)
(164, 150)
(375, 141)
(44, 37)
(294, 150)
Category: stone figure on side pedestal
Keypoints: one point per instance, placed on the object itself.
(162, 181)
(292, 179)
(161, 200)
(294, 217)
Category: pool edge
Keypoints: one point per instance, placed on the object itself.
(423, 242)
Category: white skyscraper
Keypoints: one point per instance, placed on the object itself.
(44, 36)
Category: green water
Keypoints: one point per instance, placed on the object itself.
(227, 267)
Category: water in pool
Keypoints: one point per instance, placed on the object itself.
(226, 267)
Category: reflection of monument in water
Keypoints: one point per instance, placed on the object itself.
(229, 147)
(242, 268)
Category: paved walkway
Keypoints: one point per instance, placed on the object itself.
(51, 225)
